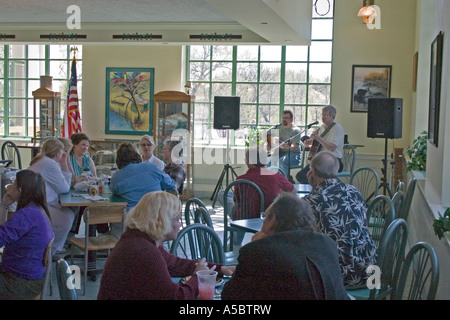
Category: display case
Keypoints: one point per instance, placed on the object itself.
(46, 110)
(173, 119)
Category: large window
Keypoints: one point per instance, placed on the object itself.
(268, 80)
(20, 69)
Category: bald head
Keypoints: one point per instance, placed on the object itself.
(325, 165)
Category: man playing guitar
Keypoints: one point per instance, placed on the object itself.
(288, 153)
(330, 137)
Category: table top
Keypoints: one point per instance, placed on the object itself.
(303, 188)
(248, 225)
(75, 199)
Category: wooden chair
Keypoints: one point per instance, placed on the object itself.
(93, 215)
(419, 278)
(198, 241)
(367, 181)
(251, 200)
(348, 160)
(67, 291)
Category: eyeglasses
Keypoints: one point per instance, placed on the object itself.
(146, 144)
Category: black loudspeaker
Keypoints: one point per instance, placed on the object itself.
(226, 112)
(384, 118)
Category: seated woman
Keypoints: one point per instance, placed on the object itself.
(139, 267)
(52, 164)
(136, 178)
(68, 145)
(80, 159)
(25, 236)
(172, 151)
(147, 146)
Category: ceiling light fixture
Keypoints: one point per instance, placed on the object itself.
(367, 12)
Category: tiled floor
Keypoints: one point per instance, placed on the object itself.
(93, 286)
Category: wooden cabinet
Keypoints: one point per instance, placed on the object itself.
(46, 110)
(173, 119)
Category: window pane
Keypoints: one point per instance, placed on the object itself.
(200, 53)
(319, 94)
(33, 85)
(270, 53)
(269, 114)
(247, 53)
(61, 87)
(322, 29)
(299, 114)
(201, 132)
(269, 93)
(17, 69)
(222, 53)
(247, 114)
(17, 88)
(17, 51)
(320, 72)
(294, 93)
(17, 107)
(221, 89)
(296, 72)
(58, 69)
(201, 91)
(36, 52)
(221, 71)
(59, 52)
(36, 68)
(270, 72)
(247, 92)
(199, 71)
(323, 8)
(30, 114)
(315, 114)
(17, 127)
(321, 51)
(296, 53)
(201, 112)
(247, 72)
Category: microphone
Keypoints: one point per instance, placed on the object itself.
(312, 124)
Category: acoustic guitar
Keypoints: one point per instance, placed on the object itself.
(316, 144)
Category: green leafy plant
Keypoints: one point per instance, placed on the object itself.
(254, 137)
(418, 153)
(442, 224)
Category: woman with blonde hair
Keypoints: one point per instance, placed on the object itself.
(140, 267)
(53, 166)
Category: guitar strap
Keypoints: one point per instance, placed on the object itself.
(324, 134)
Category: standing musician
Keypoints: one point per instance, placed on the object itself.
(289, 152)
(329, 137)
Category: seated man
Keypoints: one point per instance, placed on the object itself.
(340, 213)
(287, 259)
(270, 183)
(288, 154)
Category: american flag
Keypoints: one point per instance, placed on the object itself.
(72, 120)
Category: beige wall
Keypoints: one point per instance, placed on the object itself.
(355, 44)
(166, 60)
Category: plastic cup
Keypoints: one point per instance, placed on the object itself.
(206, 284)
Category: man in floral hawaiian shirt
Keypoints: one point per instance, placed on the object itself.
(341, 214)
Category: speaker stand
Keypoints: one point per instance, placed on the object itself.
(384, 182)
(225, 173)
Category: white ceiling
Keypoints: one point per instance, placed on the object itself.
(258, 21)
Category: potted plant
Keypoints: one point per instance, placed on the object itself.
(418, 153)
(442, 225)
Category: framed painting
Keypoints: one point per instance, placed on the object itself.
(129, 101)
(369, 82)
(435, 89)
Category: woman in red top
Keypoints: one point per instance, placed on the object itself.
(139, 267)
